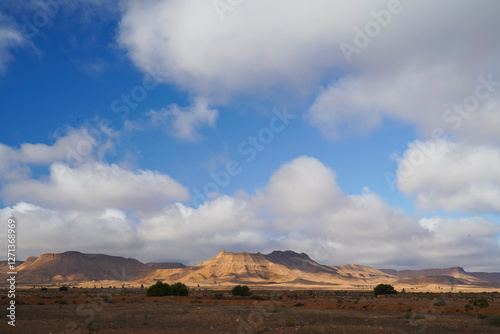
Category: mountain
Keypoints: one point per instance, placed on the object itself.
(424, 280)
(362, 272)
(4, 265)
(439, 274)
(276, 267)
(279, 267)
(76, 266)
(487, 277)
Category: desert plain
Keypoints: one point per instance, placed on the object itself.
(128, 310)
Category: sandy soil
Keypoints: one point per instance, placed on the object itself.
(266, 311)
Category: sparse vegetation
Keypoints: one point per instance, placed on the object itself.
(179, 289)
(163, 289)
(439, 302)
(476, 305)
(92, 328)
(158, 289)
(241, 290)
(384, 289)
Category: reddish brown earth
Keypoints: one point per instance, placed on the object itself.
(266, 311)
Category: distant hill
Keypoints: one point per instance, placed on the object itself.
(424, 280)
(442, 275)
(487, 277)
(4, 265)
(278, 267)
(74, 266)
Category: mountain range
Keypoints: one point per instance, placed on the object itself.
(285, 268)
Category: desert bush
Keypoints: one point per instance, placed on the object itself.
(63, 288)
(163, 289)
(384, 289)
(439, 302)
(43, 289)
(179, 289)
(158, 289)
(241, 290)
(92, 328)
(476, 304)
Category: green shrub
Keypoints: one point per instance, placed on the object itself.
(241, 290)
(476, 304)
(63, 288)
(158, 289)
(163, 289)
(179, 289)
(384, 289)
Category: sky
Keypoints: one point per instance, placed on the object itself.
(357, 132)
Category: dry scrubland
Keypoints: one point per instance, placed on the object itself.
(266, 311)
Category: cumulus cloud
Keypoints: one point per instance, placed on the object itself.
(78, 178)
(452, 176)
(74, 147)
(468, 242)
(331, 226)
(420, 74)
(96, 185)
(184, 123)
(43, 230)
(406, 70)
(303, 186)
(260, 44)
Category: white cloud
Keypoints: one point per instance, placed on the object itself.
(410, 71)
(94, 185)
(451, 176)
(78, 178)
(184, 123)
(74, 147)
(416, 72)
(303, 186)
(259, 45)
(468, 242)
(42, 230)
(331, 226)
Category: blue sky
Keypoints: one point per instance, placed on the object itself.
(159, 129)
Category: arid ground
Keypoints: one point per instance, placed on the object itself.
(265, 311)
